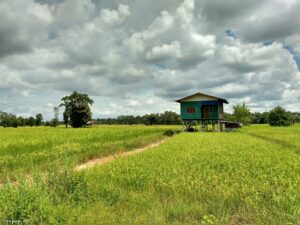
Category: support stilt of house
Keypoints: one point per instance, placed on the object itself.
(204, 125)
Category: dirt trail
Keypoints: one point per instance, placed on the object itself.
(14, 183)
(101, 160)
(104, 160)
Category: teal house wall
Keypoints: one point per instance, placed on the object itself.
(215, 112)
(199, 114)
(190, 116)
(199, 101)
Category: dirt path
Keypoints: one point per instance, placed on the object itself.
(104, 160)
(101, 160)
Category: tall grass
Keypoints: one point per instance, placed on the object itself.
(193, 178)
(285, 136)
(25, 150)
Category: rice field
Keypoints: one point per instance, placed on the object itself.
(26, 150)
(247, 177)
(285, 136)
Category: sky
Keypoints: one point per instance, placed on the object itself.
(137, 57)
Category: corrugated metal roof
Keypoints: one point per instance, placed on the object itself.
(202, 94)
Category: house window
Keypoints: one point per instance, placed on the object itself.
(191, 110)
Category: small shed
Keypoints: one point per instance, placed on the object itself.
(91, 123)
(230, 125)
(204, 108)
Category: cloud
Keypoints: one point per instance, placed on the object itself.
(250, 57)
(115, 17)
(294, 42)
(277, 19)
(70, 13)
(164, 52)
(173, 39)
(133, 74)
(132, 102)
(20, 26)
(244, 70)
(218, 15)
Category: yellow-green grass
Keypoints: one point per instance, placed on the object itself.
(285, 136)
(25, 150)
(193, 178)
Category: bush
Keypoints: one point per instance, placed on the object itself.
(23, 205)
(190, 129)
(279, 117)
(54, 122)
(169, 133)
(241, 113)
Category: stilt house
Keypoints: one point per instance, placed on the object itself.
(205, 109)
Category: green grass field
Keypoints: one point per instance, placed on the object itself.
(25, 150)
(247, 177)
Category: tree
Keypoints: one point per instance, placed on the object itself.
(66, 117)
(228, 117)
(297, 117)
(241, 113)
(21, 121)
(152, 119)
(259, 118)
(31, 121)
(170, 118)
(77, 109)
(54, 122)
(5, 120)
(265, 117)
(167, 117)
(14, 121)
(279, 117)
(38, 119)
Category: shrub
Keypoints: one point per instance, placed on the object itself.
(169, 133)
(241, 113)
(279, 117)
(191, 129)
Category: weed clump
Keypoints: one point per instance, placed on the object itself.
(170, 132)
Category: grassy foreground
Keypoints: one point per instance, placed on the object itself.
(26, 150)
(193, 178)
(284, 136)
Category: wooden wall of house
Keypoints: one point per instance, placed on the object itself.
(199, 107)
(215, 112)
(221, 111)
(189, 116)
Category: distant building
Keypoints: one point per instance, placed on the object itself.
(206, 109)
(91, 123)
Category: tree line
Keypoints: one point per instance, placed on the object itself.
(241, 113)
(11, 120)
(77, 113)
(277, 116)
(165, 118)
